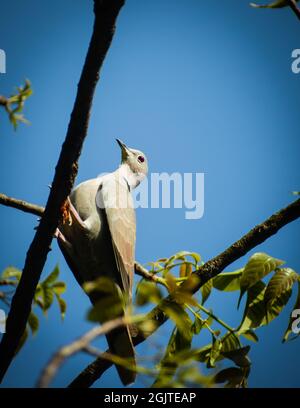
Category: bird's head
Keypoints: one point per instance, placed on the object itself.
(135, 160)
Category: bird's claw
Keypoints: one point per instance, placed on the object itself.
(66, 212)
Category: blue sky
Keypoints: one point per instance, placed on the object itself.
(199, 87)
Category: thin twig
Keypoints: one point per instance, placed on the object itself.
(106, 12)
(293, 5)
(144, 273)
(3, 101)
(81, 344)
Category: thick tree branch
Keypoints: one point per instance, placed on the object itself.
(106, 12)
(207, 271)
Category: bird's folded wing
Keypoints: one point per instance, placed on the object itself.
(115, 199)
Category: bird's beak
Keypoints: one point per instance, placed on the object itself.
(124, 149)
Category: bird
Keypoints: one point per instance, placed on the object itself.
(98, 241)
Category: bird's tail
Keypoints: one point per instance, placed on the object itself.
(120, 344)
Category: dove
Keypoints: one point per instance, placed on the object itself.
(99, 239)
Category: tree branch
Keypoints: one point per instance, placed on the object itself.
(21, 205)
(207, 271)
(106, 12)
(3, 101)
(141, 271)
(78, 345)
(293, 5)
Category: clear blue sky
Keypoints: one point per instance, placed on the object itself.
(199, 86)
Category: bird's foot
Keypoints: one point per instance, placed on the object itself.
(70, 215)
(66, 213)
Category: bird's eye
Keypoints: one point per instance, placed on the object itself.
(141, 159)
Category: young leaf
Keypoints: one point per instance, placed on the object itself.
(147, 292)
(171, 282)
(179, 316)
(59, 288)
(107, 308)
(11, 272)
(52, 277)
(249, 335)
(258, 266)
(48, 297)
(169, 363)
(185, 270)
(33, 322)
(239, 356)
(206, 290)
(256, 314)
(62, 306)
(281, 281)
(233, 376)
(230, 341)
(214, 352)
(228, 281)
(197, 325)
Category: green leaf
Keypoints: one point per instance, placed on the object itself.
(185, 270)
(52, 277)
(282, 281)
(249, 335)
(11, 272)
(179, 316)
(62, 306)
(239, 356)
(33, 322)
(214, 352)
(182, 256)
(230, 341)
(197, 325)
(258, 266)
(206, 290)
(256, 314)
(147, 292)
(233, 376)
(109, 306)
(47, 297)
(228, 281)
(103, 286)
(171, 282)
(59, 288)
(202, 354)
(292, 320)
(169, 363)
